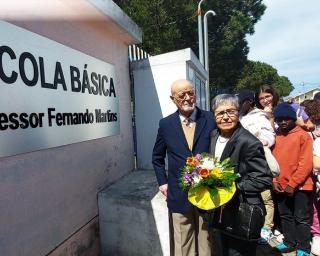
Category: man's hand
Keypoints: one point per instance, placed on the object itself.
(277, 188)
(163, 189)
(289, 190)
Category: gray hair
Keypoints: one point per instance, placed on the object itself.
(224, 99)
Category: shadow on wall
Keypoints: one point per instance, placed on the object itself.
(147, 111)
(84, 243)
(133, 217)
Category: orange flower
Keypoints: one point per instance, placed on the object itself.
(191, 161)
(204, 173)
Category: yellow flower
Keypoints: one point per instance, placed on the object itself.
(216, 172)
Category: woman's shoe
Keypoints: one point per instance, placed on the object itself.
(266, 235)
(278, 236)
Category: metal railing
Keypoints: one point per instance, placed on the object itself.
(136, 53)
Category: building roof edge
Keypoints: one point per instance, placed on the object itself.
(110, 9)
(301, 93)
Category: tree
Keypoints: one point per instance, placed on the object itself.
(283, 86)
(228, 46)
(169, 25)
(257, 73)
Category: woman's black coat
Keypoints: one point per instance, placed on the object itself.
(247, 154)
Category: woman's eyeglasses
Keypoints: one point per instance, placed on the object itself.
(229, 112)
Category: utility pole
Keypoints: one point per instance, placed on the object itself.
(200, 33)
(206, 52)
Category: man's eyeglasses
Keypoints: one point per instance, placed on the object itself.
(268, 97)
(229, 112)
(183, 95)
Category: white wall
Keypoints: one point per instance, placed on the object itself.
(152, 87)
(306, 96)
(47, 196)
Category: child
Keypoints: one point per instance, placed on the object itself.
(293, 187)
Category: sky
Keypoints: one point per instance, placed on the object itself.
(288, 38)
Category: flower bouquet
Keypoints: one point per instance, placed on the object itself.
(210, 183)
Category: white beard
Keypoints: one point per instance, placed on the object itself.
(188, 108)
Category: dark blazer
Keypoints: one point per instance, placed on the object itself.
(247, 154)
(171, 141)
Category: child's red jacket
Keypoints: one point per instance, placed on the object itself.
(293, 152)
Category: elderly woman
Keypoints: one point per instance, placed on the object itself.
(246, 152)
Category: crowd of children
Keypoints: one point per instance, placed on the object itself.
(290, 131)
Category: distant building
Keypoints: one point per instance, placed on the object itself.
(307, 95)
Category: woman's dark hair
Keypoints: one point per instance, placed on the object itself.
(268, 89)
(311, 107)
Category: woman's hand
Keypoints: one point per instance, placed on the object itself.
(268, 108)
(264, 142)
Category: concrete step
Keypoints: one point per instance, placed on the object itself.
(133, 217)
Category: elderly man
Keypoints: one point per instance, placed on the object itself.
(182, 134)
